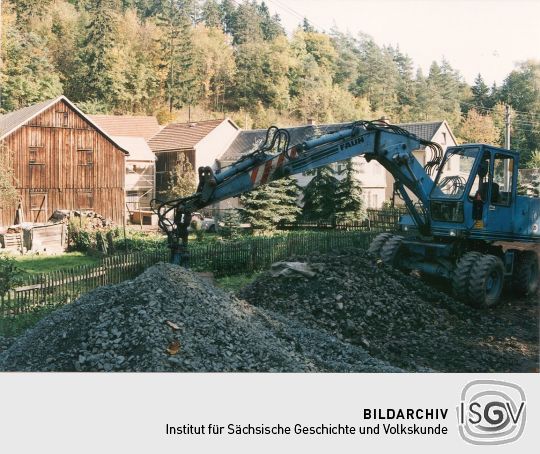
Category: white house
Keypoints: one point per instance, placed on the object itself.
(377, 183)
(133, 132)
(201, 142)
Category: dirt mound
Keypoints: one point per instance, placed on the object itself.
(169, 319)
(395, 317)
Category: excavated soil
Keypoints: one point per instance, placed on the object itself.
(400, 319)
(169, 319)
(353, 315)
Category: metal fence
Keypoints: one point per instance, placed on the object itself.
(222, 258)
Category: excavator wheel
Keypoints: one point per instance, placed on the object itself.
(377, 244)
(460, 278)
(525, 277)
(486, 281)
(390, 251)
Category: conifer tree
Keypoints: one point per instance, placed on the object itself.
(349, 202)
(177, 53)
(231, 224)
(98, 80)
(319, 195)
(267, 205)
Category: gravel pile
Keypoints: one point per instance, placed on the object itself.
(169, 319)
(396, 317)
(5, 342)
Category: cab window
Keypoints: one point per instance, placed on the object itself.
(503, 177)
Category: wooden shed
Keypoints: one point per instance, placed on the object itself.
(62, 161)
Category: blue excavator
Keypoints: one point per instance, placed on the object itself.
(455, 223)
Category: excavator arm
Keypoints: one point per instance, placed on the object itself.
(390, 145)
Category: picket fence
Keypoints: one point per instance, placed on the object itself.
(221, 258)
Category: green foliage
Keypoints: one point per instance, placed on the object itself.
(267, 205)
(231, 224)
(217, 56)
(8, 193)
(80, 236)
(319, 195)
(349, 202)
(10, 274)
(181, 180)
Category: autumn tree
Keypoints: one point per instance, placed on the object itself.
(478, 128)
(181, 179)
(8, 193)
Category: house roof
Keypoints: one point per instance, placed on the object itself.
(138, 148)
(144, 126)
(12, 121)
(181, 136)
(425, 131)
(246, 141)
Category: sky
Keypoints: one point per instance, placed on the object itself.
(475, 36)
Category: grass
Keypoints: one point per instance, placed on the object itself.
(16, 325)
(235, 283)
(35, 264)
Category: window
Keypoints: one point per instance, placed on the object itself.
(444, 138)
(36, 156)
(85, 157)
(502, 180)
(62, 119)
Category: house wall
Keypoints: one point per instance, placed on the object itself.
(211, 147)
(444, 138)
(165, 163)
(61, 161)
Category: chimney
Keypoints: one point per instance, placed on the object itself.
(310, 121)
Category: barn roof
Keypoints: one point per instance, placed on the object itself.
(181, 136)
(12, 121)
(138, 148)
(144, 126)
(247, 140)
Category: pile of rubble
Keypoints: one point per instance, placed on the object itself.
(396, 317)
(169, 319)
(90, 218)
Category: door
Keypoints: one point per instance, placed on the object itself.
(500, 209)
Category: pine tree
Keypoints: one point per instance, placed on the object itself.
(98, 80)
(267, 205)
(177, 54)
(349, 202)
(480, 91)
(319, 195)
(231, 224)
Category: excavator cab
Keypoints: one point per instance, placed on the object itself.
(475, 191)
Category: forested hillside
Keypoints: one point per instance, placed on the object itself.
(168, 57)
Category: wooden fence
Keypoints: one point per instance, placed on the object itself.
(228, 258)
(376, 220)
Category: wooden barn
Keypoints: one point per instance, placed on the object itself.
(62, 161)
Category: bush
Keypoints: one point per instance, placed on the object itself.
(10, 274)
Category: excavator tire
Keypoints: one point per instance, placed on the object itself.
(460, 278)
(390, 251)
(377, 243)
(525, 277)
(486, 281)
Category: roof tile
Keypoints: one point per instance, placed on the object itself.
(177, 136)
(126, 125)
(248, 140)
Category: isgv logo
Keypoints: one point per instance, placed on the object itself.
(491, 412)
